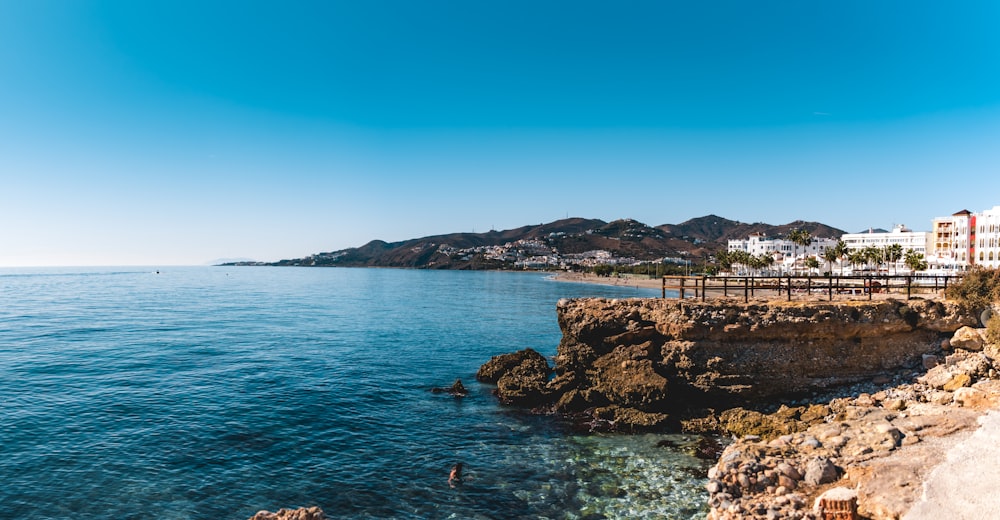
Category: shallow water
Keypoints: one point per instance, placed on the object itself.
(216, 392)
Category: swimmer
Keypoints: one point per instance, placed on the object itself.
(455, 477)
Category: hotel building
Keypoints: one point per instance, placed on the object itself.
(915, 240)
(966, 239)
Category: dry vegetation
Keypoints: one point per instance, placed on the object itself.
(979, 291)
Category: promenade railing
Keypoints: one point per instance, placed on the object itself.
(831, 286)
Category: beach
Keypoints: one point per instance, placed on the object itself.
(619, 281)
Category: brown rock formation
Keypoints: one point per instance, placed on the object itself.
(632, 362)
(521, 378)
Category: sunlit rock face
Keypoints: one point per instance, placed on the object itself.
(638, 361)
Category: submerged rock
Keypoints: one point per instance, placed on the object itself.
(457, 389)
(302, 513)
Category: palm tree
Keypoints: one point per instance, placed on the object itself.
(799, 237)
(812, 263)
(893, 253)
(830, 254)
(872, 256)
(915, 260)
(766, 260)
(841, 249)
(857, 257)
(740, 258)
(725, 259)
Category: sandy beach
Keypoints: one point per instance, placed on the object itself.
(620, 281)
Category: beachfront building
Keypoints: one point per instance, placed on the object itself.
(758, 244)
(953, 245)
(966, 239)
(786, 253)
(918, 241)
(985, 236)
(908, 239)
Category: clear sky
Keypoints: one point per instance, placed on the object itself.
(181, 132)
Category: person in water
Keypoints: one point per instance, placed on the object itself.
(455, 477)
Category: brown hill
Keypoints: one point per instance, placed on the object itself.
(626, 238)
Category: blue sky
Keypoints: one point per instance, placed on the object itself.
(180, 132)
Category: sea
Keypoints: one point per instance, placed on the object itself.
(217, 392)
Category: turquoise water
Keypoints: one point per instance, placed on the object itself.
(216, 392)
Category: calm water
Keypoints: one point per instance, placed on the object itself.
(216, 392)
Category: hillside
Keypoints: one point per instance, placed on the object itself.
(573, 241)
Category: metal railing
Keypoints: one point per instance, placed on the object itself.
(849, 286)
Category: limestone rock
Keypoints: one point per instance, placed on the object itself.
(820, 471)
(957, 381)
(968, 338)
(937, 377)
(973, 398)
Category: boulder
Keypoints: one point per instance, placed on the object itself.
(820, 471)
(497, 366)
(973, 398)
(968, 338)
(937, 377)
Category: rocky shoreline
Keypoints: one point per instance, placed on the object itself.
(880, 445)
(859, 398)
(648, 364)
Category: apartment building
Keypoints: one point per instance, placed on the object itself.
(952, 243)
(908, 239)
(985, 238)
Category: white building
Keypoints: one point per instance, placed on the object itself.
(952, 245)
(985, 237)
(916, 240)
(757, 244)
(966, 239)
(786, 253)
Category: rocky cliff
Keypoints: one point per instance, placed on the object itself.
(649, 363)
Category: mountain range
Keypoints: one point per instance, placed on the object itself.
(576, 240)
